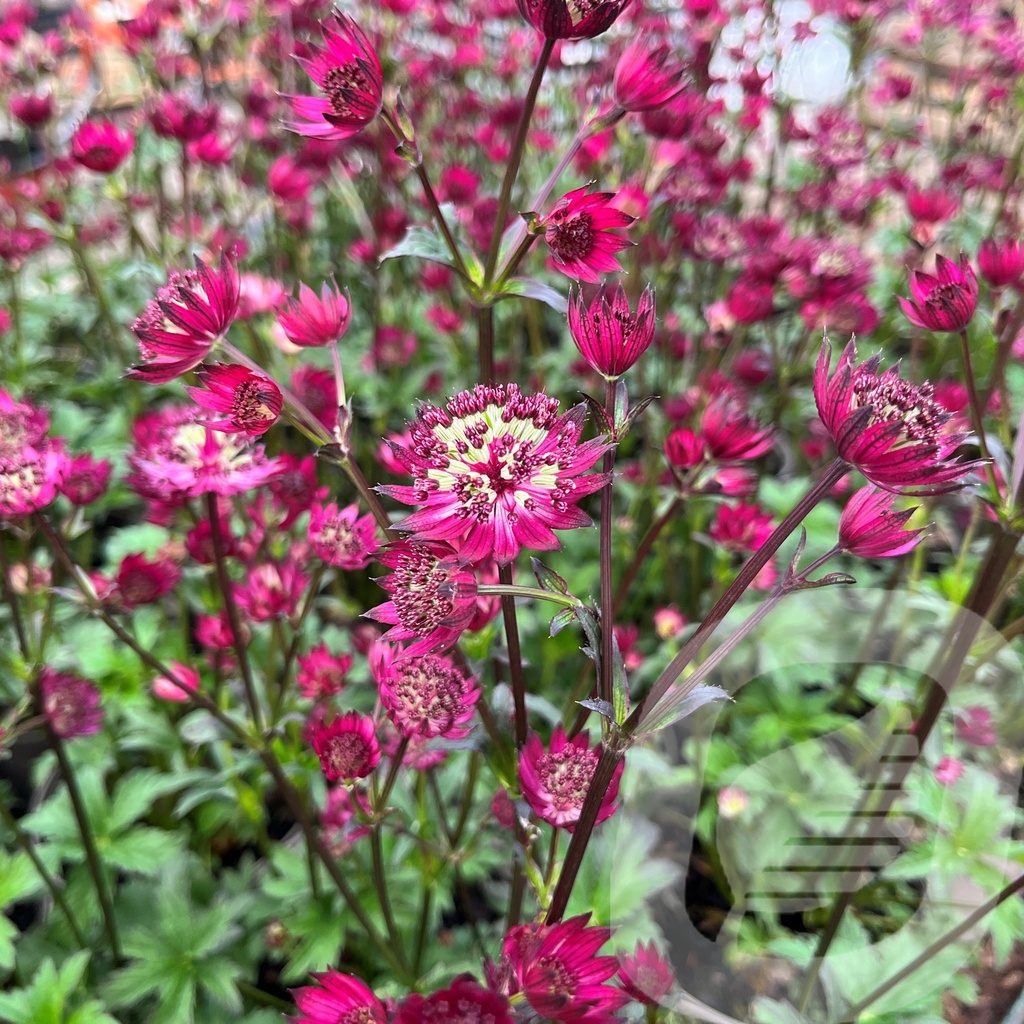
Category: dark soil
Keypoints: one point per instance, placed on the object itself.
(998, 989)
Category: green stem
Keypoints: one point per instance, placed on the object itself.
(12, 600)
(515, 158)
(565, 600)
(380, 885)
(30, 851)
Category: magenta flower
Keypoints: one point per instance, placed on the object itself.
(337, 999)
(175, 116)
(647, 75)
(32, 109)
(426, 695)
(571, 19)
(557, 969)
(730, 433)
(32, 478)
(348, 72)
(433, 596)
(555, 782)
(101, 146)
(464, 1002)
(974, 726)
(1001, 263)
(891, 430)
(342, 538)
(497, 471)
(321, 673)
(140, 581)
(85, 479)
(71, 704)
(646, 975)
(178, 685)
(607, 333)
(945, 302)
(189, 315)
(249, 402)
(579, 232)
(869, 528)
(740, 527)
(311, 321)
(271, 590)
(948, 771)
(347, 747)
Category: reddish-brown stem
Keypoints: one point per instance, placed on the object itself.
(607, 605)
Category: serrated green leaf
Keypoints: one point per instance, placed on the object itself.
(143, 849)
(18, 878)
(8, 933)
(138, 790)
(217, 979)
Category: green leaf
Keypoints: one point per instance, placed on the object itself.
(136, 792)
(18, 878)
(774, 1011)
(530, 288)
(426, 243)
(548, 579)
(8, 933)
(143, 849)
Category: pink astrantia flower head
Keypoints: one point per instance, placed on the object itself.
(176, 686)
(648, 75)
(31, 478)
(342, 538)
(579, 231)
(889, 429)
(869, 528)
(249, 402)
(607, 332)
(740, 527)
(1001, 263)
(347, 747)
(948, 771)
(646, 975)
(497, 471)
(348, 72)
(571, 19)
(321, 673)
(70, 703)
(101, 146)
(140, 581)
(85, 479)
(426, 695)
(945, 301)
(557, 969)
(463, 1002)
(271, 590)
(179, 328)
(974, 726)
(337, 999)
(555, 781)
(433, 595)
(310, 320)
(730, 433)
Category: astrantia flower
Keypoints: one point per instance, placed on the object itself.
(70, 703)
(140, 581)
(1001, 263)
(497, 471)
(426, 695)
(557, 969)
(348, 73)
(31, 479)
(868, 527)
(579, 232)
(271, 590)
(571, 19)
(101, 146)
(347, 747)
(342, 538)
(250, 402)
(647, 75)
(607, 333)
(889, 429)
(730, 433)
(311, 320)
(464, 1002)
(337, 999)
(322, 673)
(177, 686)
(555, 782)
(647, 975)
(946, 301)
(740, 527)
(85, 479)
(179, 328)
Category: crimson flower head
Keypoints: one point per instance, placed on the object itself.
(249, 402)
(891, 430)
(647, 75)
(433, 595)
(348, 72)
(424, 696)
(337, 999)
(730, 433)
(1001, 263)
(869, 528)
(464, 1002)
(311, 321)
(347, 747)
(555, 781)
(608, 334)
(497, 471)
(342, 538)
(101, 146)
(322, 673)
(646, 975)
(557, 969)
(179, 328)
(85, 479)
(579, 232)
(70, 703)
(571, 19)
(946, 301)
(140, 581)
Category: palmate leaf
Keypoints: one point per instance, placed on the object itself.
(45, 1000)
(18, 878)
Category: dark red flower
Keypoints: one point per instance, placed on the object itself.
(946, 301)
(571, 19)
(347, 747)
(85, 479)
(889, 429)
(607, 333)
(70, 703)
(249, 402)
(869, 528)
(730, 433)
(1001, 263)
(464, 1002)
(311, 321)
(647, 75)
(579, 232)
(101, 146)
(348, 72)
(140, 581)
